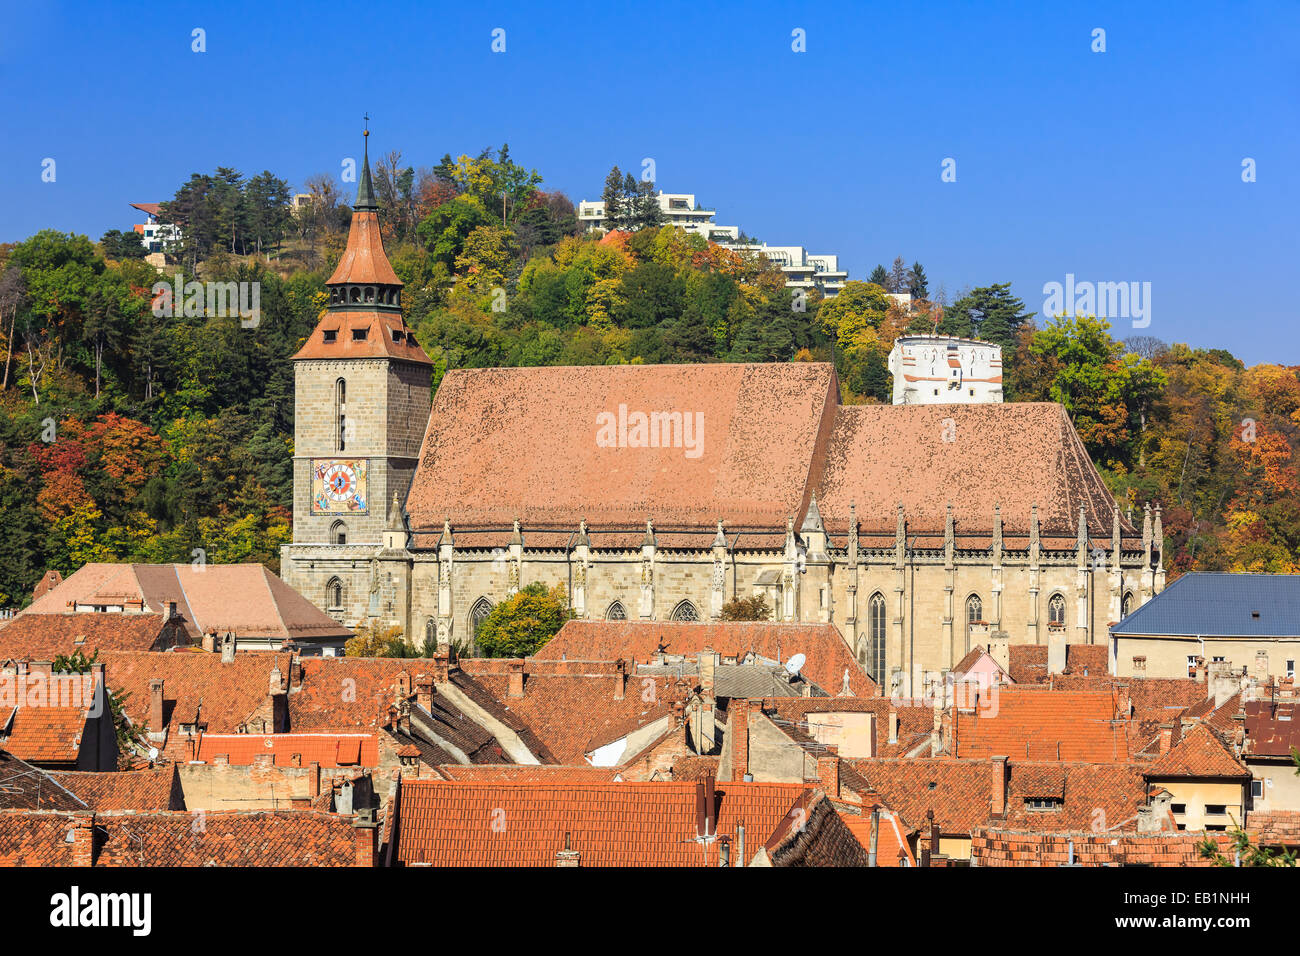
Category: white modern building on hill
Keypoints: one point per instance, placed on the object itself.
(679, 209)
(803, 270)
(944, 370)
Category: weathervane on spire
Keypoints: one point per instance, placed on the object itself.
(366, 117)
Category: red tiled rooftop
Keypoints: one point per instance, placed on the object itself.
(328, 750)
(1032, 723)
(827, 653)
(444, 823)
(1198, 754)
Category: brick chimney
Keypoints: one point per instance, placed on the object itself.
(441, 667)
(516, 670)
(424, 692)
(620, 679)
(313, 779)
(568, 856)
(708, 663)
(83, 839)
(998, 786)
(893, 726)
(705, 797)
(364, 831)
(295, 672)
(210, 641)
(157, 725)
(828, 772)
(738, 735)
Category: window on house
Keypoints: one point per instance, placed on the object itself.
(1215, 829)
(338, 533)
(616, 612)
(1216, 809)
(1140, 663)
(1257, 789)
(330, 335)
(1042, 803)
(359, 335)
(334, 593)
(1177, 808)
(1191, 665)
(1126, 606)
(1290, 669)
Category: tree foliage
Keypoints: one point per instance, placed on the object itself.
(521, 624)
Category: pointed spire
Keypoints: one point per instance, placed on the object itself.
(518, 536)
(1033, 526)
(1114, 535)
(1158, 541)
(649, 540)
(720, 539)
(949, 537)
(582, 541)
(395, 522)
(1146, 532)
(446, 531)
(812, 521)
(1082, 541)
(365, 191)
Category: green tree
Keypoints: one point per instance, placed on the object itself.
(122, 245)
(747, 609)
(521, 624)
(916, 282)
(879, 276)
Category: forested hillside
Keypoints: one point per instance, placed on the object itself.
(129, 436)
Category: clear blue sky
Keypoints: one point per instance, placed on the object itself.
(1115, 166)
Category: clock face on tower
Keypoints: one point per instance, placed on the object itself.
(338, 486)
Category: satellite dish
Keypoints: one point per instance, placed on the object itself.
(153, 753)
(795, 664)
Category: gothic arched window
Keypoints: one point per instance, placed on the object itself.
(1126, 606)
(478, 614)
(334, 593)
(430, 632)
(876, 637)
(1056, 610)
(616, 612)
(338, 533)
(685, 611)
(974, 615)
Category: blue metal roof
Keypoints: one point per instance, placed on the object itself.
(1214, 604)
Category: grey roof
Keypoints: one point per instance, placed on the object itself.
(1214, 604)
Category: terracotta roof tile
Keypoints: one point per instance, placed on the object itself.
(1198, 754)
(171, 838)
(762, 426)
(328, 750)
(42, 636)
(244, 598)
(456, 823)
(1034, 723)
(155, 789)
(828, 654)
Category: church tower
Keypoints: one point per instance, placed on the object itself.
(361, 403)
